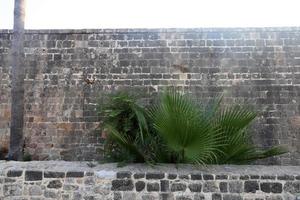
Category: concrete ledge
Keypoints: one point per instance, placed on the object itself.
(81, 180)
(182, 168)
(161, 30)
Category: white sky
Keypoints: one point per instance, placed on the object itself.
(76, 14)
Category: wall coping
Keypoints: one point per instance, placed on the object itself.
(161, 30)
(64, 166)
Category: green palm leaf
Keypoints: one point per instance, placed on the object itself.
(185, 129)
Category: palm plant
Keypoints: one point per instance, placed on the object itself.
(178, 130)
(206, 134)
(129, 138)
(186, 129)
(237, 148)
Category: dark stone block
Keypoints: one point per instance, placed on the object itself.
(183, 198)
(14, 173)
(244, 177)
(271, 187)
(117, 196)
(232, 197)
(251, 186)
(75, 174)
(164, 185)
(195, 187)
(292, 187)
(216, 196)
(198, 196)
(254, 176)
(9, 180)
(184, 176)
(152, 187)
(48, 174)
(286, 177)
(223, 187)
(122, 185)
(139, 186)
(88, 174)
(178, 187)
(54, 184)
(208, 177)
(166, 196)
(221, 177)
(155, 175)
(172, 176)
(236, 186)
(196, 176)
(139, 175)
(33, 176)
(89, 198)
(124, 175)
(265, 177)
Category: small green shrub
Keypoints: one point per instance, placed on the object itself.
(178, 130)
(129, 138)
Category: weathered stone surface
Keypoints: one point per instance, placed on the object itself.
(208, 177)
(164, 185)
(155, 176)
(199, 197)
(216, 196)
(75, 174)
(232, 197)
(223, 187)
(292, 187)
(235, 186)
(129, 196)
(139, 175)
(183, 197)
(14, 173)
(152, 187)
(178, 187)
(12, 190)
(251, 186)
(221, 177)
(172, 176)
(166, 196)
(210, 186)
(122, 185)
(33, 175)
(271, 187)
(35, 190)
(196, 176)
(195, 187)
(124, 175)
(140, 185)
(49, 174)
(286, 177)
(51, 194)
(54, 184)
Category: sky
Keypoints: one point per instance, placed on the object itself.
(82, 14)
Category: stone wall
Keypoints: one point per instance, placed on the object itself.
(67, 71)
(63, 180)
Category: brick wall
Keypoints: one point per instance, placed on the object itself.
(68, 70)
